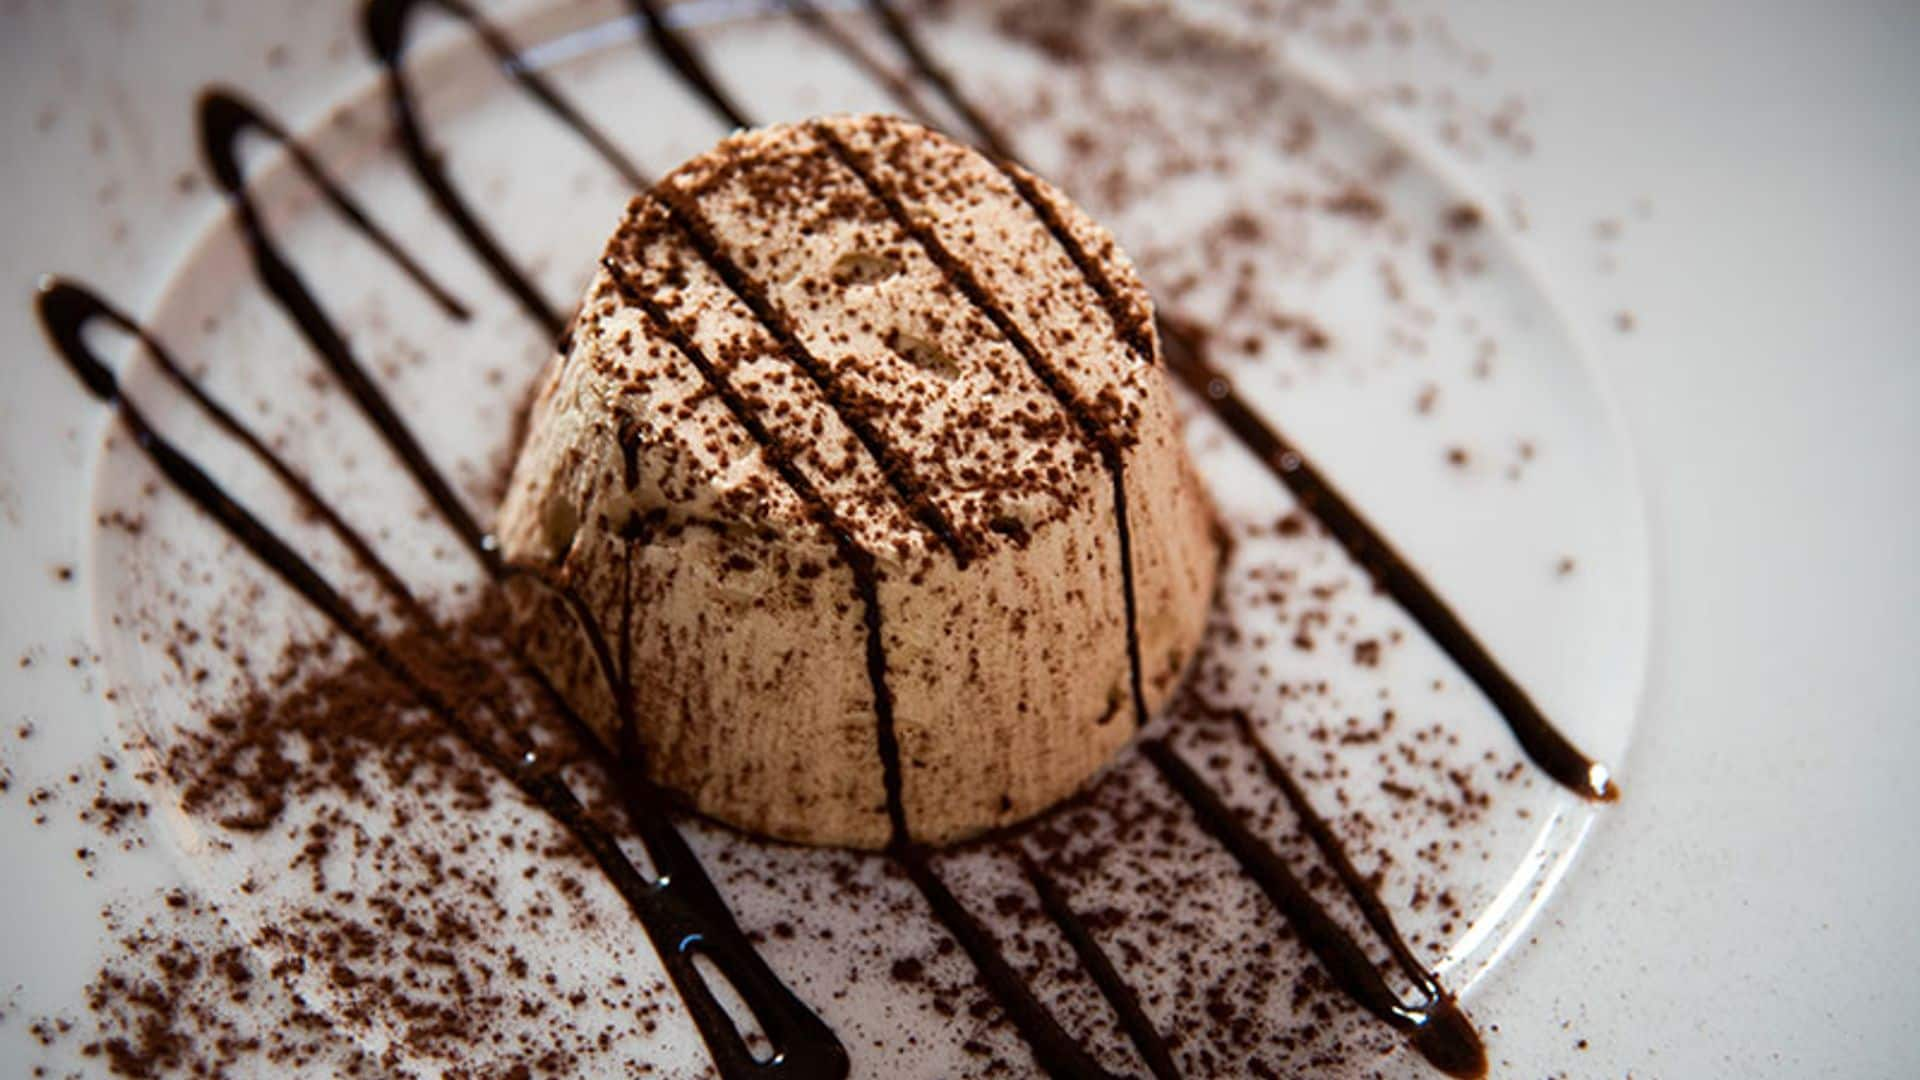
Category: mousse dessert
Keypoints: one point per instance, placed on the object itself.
(861, 456)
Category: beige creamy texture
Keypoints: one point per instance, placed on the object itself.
(848, 348)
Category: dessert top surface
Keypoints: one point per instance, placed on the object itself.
(863, 326)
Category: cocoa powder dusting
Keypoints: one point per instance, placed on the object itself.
(370, 873)
(410, 889)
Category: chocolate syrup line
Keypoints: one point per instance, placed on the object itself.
(225, 115)
(65, 311)
(223, 119)
(1102, 440)
(629, 734)
(1445, 1031)
(1436, 1027)
(1543, 743)
(385, 23)
(767, 996)
(681, 912)
(1127, 324)
(806, 14)
(584, 619)
(1058, 1053)
(687, 217)
(1442, 1034)
(1126, 1004)
(77, 308)
(686, 62)
(226, 422)
(858, 560)
(678, 53)
(1548, 748)
(908, 42)
(1358, 889)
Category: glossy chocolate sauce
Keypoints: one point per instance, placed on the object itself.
(1058, 1052)
(1113, 986)
(1184, 350)
(682, 912)
(693, 225)
(859, 562)
(386, 24)
(958, 274)
(1436, 1027)
(1552, 751)
(224, 119)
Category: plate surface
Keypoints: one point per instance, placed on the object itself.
(1409, 348)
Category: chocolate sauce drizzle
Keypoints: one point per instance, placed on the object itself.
(1542, 742)
(224, 118)
(858, 560)
(986, 133)
(1058, 1052)
(898, 88)
(1437, 1027)
(1127, 321)
(628, 738)
(1538, 737)
(1098, 436)
(1125, 1003)
(682, 912)
(385, 23)
(685, 62)
(77, 310)
(688, 218)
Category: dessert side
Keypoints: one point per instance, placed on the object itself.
(865, 479)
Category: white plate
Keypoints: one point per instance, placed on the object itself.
(1545, 479)
(1491, 544)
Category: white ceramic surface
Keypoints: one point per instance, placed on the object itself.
(1742, 912)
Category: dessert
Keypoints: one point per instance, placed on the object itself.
(1195, 920)
(861, 454)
